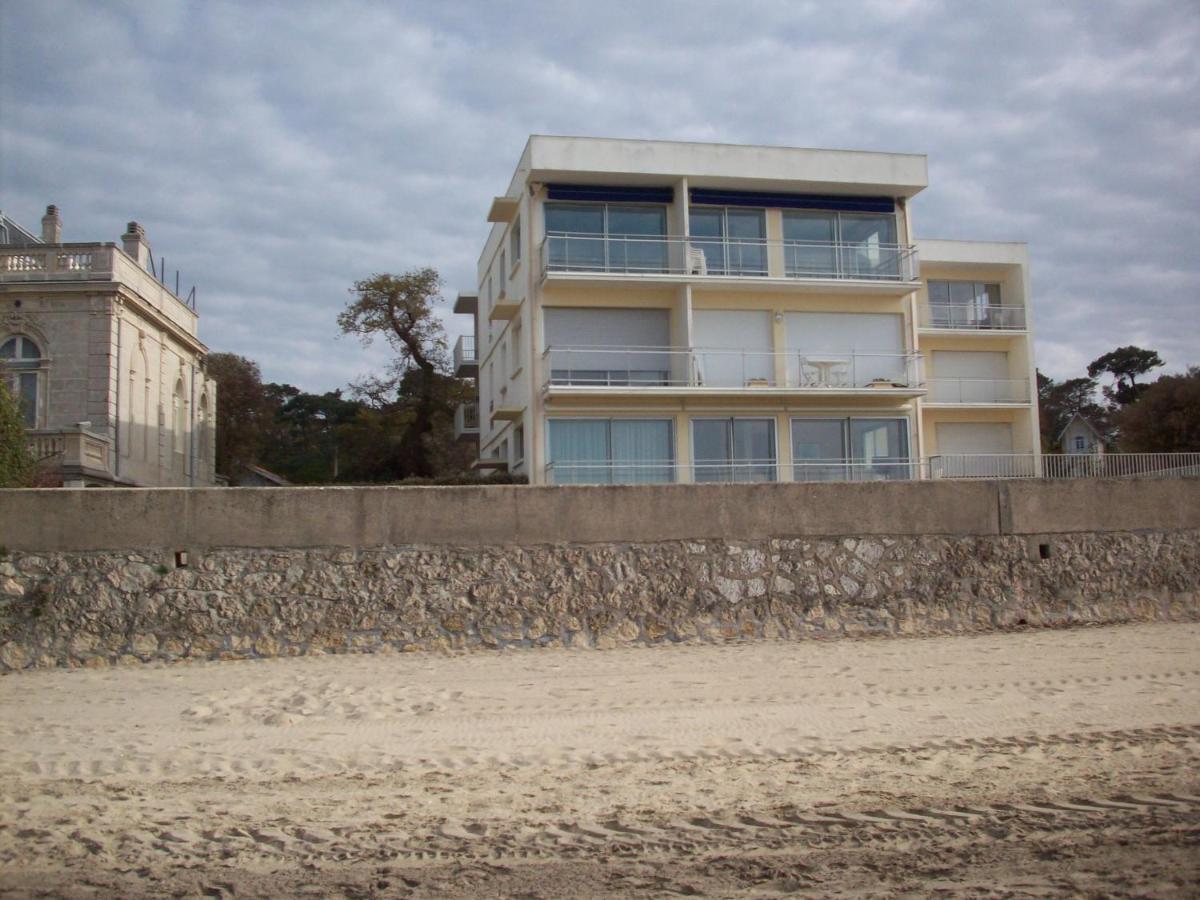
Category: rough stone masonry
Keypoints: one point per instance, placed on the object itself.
(96, 608)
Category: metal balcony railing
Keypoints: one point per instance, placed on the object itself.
(957, 465)
(464, 351)
(972, 316)
(639, 254)
(978, 391)
(646, 367)
(466, 419)
(1064, 465)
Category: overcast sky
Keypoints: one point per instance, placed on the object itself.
(275, 152)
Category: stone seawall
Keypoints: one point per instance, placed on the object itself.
(99, 607)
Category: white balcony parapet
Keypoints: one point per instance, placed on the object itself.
(466, 419)
(95, 262)
(972, 317)
(726, 368)
(708, 257)
(960, 465)
(978, 391)
(464, 353)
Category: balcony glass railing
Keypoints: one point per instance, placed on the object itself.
(978, 390)
(651, 367)
(630, 254)
(972, 316)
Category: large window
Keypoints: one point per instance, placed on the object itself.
(606, 237)
(733, 449)
(21, 367)
(611, 451)
(850, 450)
(969, 304)
(733, 239)
(840, 245)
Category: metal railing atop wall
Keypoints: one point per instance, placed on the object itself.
(954, 465)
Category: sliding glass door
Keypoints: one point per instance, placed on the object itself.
(733, 449)
(733, 240)
(611, 451)
(850, 450)
(606, 237)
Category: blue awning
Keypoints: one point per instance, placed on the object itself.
(609, 194)
(841, 203)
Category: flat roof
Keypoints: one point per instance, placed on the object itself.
(588, 160)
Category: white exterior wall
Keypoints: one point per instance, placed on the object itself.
(695, 305)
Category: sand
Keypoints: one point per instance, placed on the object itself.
(1033, 763)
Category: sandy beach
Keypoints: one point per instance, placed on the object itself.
(1033, 763)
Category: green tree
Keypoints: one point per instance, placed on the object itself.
(1125, 365)
(244, 411)
(1165, 418)
(305, 439)
(400, 309)
(17, 464)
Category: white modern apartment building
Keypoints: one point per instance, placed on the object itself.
(655, 311)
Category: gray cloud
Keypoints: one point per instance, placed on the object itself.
(276, 153)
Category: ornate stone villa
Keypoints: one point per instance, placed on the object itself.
(105, 359)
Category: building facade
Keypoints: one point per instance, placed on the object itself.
(665, 311)
(105, 360)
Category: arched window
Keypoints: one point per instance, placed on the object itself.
(178, 429)
(202, 429)
(23, 369)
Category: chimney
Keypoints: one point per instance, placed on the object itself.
(134, 242)
(52, 226)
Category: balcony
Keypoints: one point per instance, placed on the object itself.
(971, 317)
(466, 365)
(978, 391)
(871, 267)
(56, 263)
(75, 452)
(714, 371)
(466, 421)
(505, 307)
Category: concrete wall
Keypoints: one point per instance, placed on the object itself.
(229, 573)
(42, 521)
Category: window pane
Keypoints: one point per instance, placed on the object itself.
(812, 252)
(578, 252)
(9, 349)
(710, 449)
(868, 250)
(706, 222)
(642, 451)
(574, 443)
(27, 394)
(643, 253)
(818, 448)
(574, 218)
(859, 229)
(754, 449)
(962, 292)
(747, 253)
(992, 292)
(883, 443)
(709, 223)
(939, 292)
